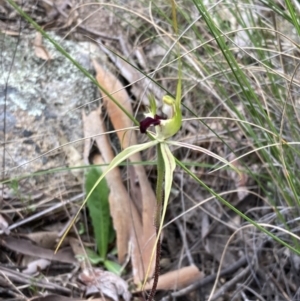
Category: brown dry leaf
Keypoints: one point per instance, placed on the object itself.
(73, 18)
(44, 239)
(148, 201)
(39, 49)
(105, 282)
(26, 247)
(132, 75)
(79, 252)
(126, 219)
(178, 279)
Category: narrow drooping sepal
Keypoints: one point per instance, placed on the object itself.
(169, 165)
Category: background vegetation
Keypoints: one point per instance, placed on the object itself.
(240, 77)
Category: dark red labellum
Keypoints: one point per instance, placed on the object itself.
(148, 121)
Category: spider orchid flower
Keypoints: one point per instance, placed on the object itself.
(165, 127)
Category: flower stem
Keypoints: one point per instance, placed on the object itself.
(159, 199)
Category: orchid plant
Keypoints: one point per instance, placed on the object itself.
(165, 128)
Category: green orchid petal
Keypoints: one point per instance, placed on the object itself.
(169, 167)
(171, 126)
(152, 105)
(205, 151)
(125, 154)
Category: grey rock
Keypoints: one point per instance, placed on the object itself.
(42, 97)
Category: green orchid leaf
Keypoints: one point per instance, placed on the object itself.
(112, 234)
(99, 211)
(113, 267)
(93, 257)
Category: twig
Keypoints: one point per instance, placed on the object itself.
(42, 213)
(230, 283)
(26, 279)
(277, 284)
(184, 241)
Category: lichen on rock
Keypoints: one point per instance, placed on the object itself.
(42, 98)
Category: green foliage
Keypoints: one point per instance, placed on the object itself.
(113, 267)
(14, 185)
(94, 257)
(276, 134)
(98, 206)
(99, 211)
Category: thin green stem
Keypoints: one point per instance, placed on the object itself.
(159, 200)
